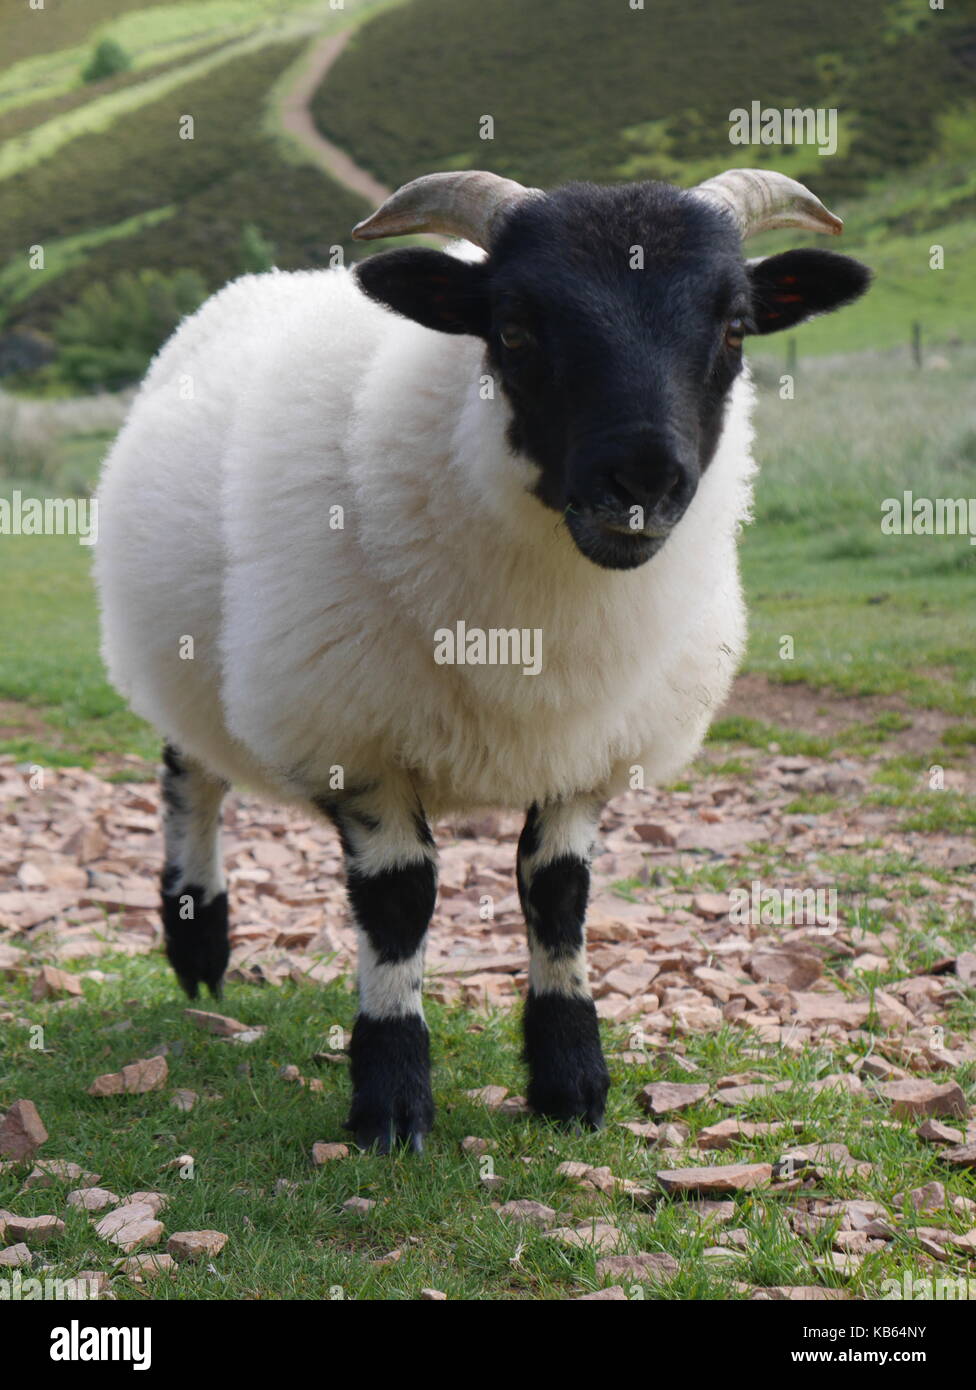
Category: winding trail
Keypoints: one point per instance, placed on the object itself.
(296, 119)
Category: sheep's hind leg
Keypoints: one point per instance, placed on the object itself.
(568, 1078)
(194, 891)
(391, 878)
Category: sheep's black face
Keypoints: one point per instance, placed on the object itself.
(614, 319)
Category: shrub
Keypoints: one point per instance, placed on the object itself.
(257, 253)
(108, 58)
(109, 337)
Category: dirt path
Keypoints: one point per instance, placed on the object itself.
(296, 118)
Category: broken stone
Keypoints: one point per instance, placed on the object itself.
(614, 1294)
(92, 1198)
(130, 1226)
(594, 1235)
(724, 1134)
(666, 1097)
(931, 1197)
(655, 833)
(731, 1177)
(185, 1100)
(656, 1267)
(360, 1205)
(136, 1079)
(962, 1156)
(327, 1153)
(433, 1296)
(54, 1172)
(522, 1209)
(37, 1230)
(933, 1132)
(471, 1144)
(149, 1265)
(197, 1245)
(793, 968)
(648, 1132)
(830, 1008)
(51, 983)
(155, 1201)
(911, 1098)
(15, 1256)
(489, 1096)
(882, 1069)
(218, 1024)
(710, 904)
(21, 1131)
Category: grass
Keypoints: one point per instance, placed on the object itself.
(251, 1131)
(878, 614)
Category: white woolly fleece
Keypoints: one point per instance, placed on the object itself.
(287, 395)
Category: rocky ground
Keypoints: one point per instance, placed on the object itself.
(691, 931)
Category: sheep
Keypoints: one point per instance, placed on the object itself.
(543, 430)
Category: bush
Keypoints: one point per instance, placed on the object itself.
(109, 337)
(108, 59)
(257, 253)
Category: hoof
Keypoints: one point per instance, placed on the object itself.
(392, 1104)
(196, 945)
(568, 1077)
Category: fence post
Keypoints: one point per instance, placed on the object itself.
(917, 343)
(791, 357)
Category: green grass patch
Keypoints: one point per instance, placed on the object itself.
(250, 1135)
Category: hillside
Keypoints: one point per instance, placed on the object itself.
(95, 172)
(578, 90)
(98, 175)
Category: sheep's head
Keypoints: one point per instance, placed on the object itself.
(614, 319)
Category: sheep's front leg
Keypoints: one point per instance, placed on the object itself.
(391, 879)
(568, 1078)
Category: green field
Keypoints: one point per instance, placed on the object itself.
(251, 1133)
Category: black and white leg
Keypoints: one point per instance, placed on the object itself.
(568, 1078)
(391, 878)
(194, 891)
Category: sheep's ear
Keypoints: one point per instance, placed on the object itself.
(791, 287)
(431, 288)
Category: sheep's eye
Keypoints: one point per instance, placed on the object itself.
(513, 335)
(734, 333)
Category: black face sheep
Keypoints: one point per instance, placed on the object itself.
(478, 551)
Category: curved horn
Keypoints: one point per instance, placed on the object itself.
(471, 204)
(759, 199)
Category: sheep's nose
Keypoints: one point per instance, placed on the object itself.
(654, 496)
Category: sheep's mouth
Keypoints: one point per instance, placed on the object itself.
(612, 547)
